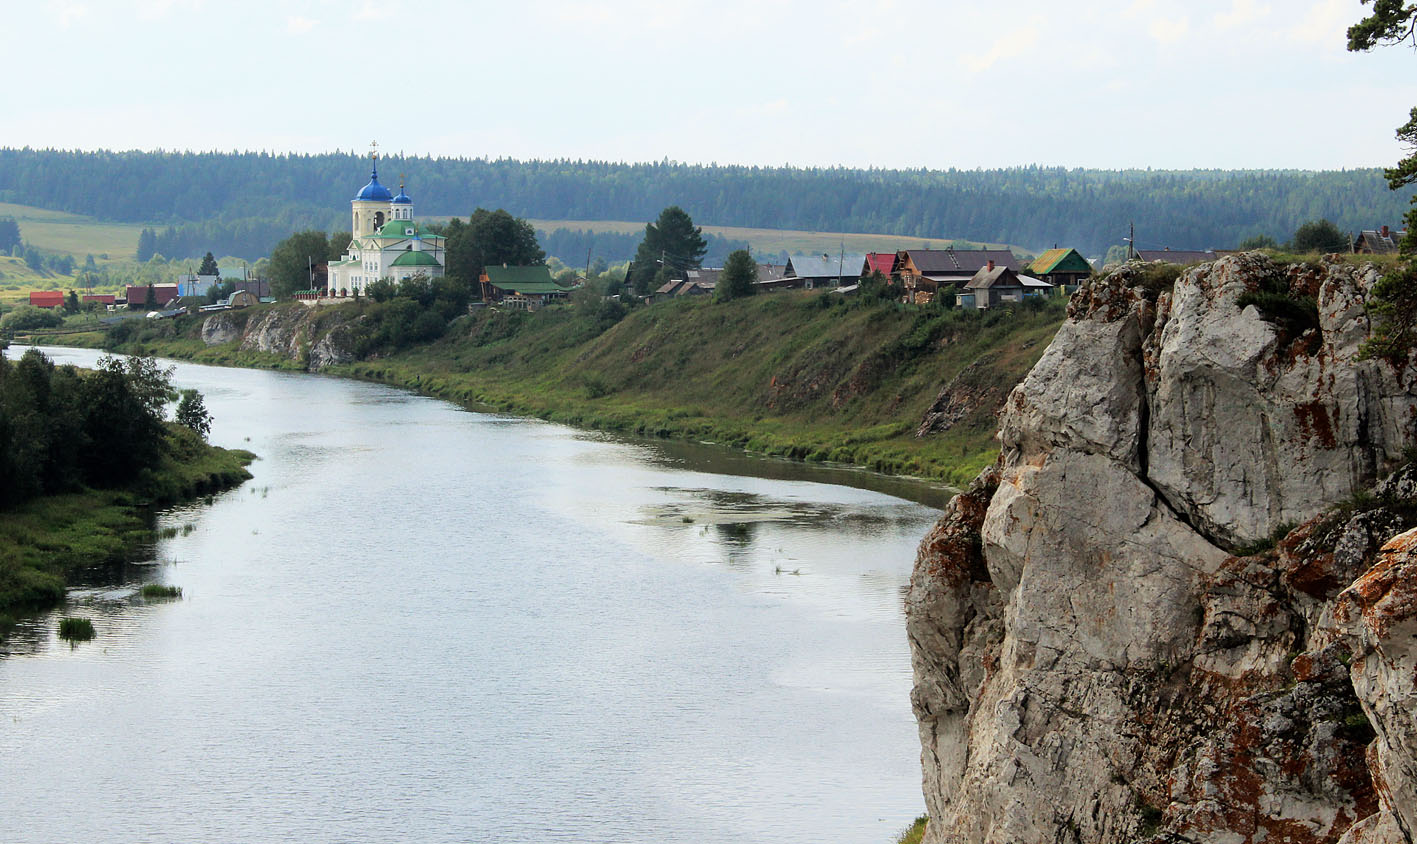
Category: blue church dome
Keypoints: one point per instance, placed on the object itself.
(402, 198)
(374, 192)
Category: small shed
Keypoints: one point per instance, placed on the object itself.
(242, 299)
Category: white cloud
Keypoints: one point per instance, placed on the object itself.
(1169, 31)
(296, 25)
(158, 9)
(1241, 12)
(1325, 22)
(1013, 45)
(1138, 8)
(372, 11)
(68, 14)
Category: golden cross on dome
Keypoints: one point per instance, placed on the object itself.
(373, 149)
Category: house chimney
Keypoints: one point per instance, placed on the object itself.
(1384, 231)
(991, 265)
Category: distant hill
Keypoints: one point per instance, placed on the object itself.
(256, 194)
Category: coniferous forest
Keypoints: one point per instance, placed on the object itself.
(243, 203)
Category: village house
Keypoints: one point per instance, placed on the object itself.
(879, 262)
(826, 270)
(682, 287)
(137, 295)
(995, 285)
(47, 299)
(923, 272)
(99, 298)
(521, 288)
(1379, 241)
(1060, 267)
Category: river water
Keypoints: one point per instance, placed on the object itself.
(419, 623)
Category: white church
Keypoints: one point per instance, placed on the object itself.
(387, 242)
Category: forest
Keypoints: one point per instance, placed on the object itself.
(242, 203)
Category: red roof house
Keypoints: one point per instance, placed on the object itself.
(880, 262)
(162, 294)
(47, 298)
(101, 298)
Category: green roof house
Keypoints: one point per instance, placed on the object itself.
(1060, 266)
(523, 288)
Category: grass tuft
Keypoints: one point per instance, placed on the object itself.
(76, 629)
(155, 591)
(914, 833)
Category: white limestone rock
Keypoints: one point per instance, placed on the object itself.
(1091, 664)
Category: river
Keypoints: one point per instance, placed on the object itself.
(420, 623)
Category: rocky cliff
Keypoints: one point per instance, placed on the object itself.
(317, 338)
(1118, 632)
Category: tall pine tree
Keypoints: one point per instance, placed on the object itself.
(672, 243)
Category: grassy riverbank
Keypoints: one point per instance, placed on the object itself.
(808, 375)
(44, 539)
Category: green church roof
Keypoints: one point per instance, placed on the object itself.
(406, 228)
(414, 258)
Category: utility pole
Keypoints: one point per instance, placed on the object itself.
(1131, 240)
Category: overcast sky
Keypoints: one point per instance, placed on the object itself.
(887, 83)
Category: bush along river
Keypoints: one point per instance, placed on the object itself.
(420, 623)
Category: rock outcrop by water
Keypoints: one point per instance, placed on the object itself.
(318, 338)
(1103, 652)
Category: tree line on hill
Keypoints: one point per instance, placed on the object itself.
(238, 193)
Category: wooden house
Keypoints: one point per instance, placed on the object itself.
(162, 294)
(1060, 266)
(522, 288)
(826, 270)
(879, 262)
(1379, 241)
(992, 285)
(923, 272)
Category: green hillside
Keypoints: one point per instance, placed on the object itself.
(805, 374)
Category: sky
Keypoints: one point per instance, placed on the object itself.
(858, 83)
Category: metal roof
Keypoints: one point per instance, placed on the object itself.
(958, 262)
(997, 277)
(1051, 260)
(535, 280)
(847, 265)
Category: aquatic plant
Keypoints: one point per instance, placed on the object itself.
(76, 629)
(153, 591)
